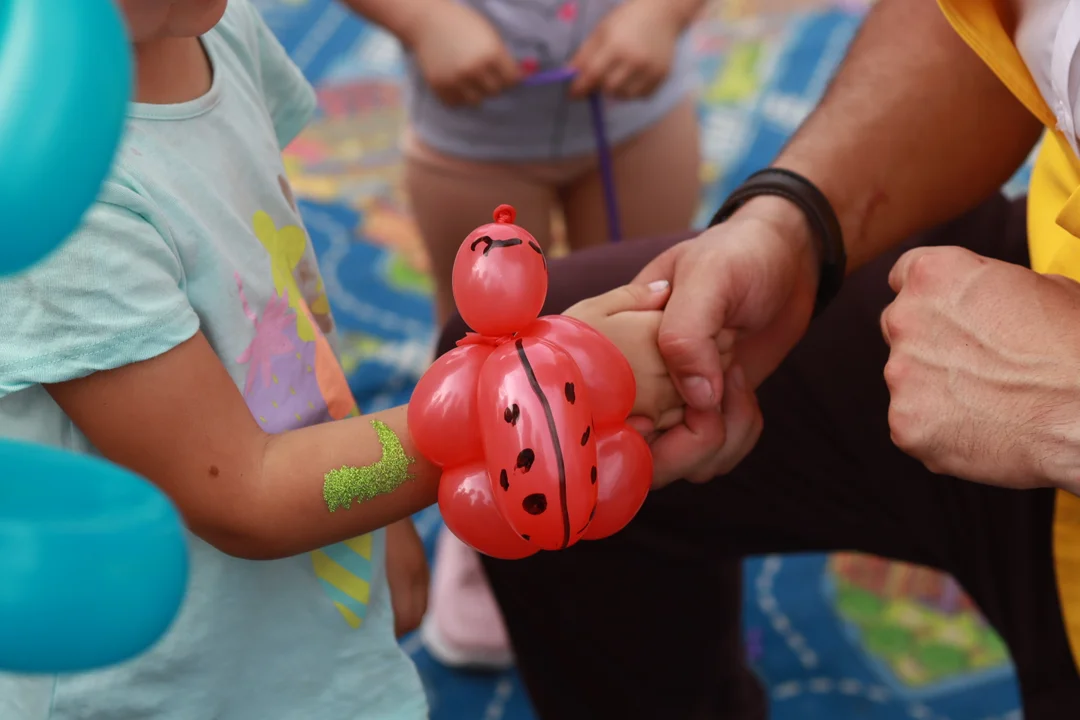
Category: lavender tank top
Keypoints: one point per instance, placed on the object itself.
(540, 123)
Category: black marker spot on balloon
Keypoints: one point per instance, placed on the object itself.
(525, 537)
(504, 480)
(570, 395)
(592, 475)
(540, 252)
(585, 437)
(511, 414)
(534, 504)
(525, 460)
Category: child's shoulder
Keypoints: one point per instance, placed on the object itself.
(253, 50)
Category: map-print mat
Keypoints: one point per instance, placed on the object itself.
(840, 636)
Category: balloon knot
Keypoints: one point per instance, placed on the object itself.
(505, 214)
(472, 338)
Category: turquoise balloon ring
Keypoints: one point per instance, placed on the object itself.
(65, 76)
(93, 561)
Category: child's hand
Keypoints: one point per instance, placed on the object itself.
(629, 317)
(407, 575)
(630, 53)
(461, 55)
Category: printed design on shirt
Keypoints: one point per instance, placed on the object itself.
(282, 389)
(294, 380)
(289, 263)
(307, 275)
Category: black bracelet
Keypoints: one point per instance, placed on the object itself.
(823, 222)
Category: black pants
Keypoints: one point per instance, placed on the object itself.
(641, 625)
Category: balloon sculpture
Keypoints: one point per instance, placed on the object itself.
(527, 416)
(93, 559)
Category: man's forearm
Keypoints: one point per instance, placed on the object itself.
(913, 131)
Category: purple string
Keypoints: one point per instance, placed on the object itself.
(607, 175)
(603, 149)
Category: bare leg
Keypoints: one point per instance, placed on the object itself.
(657, 178)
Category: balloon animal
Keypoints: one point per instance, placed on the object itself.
(93, 559)
(527, 416)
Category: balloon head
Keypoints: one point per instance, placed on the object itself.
(500, 276)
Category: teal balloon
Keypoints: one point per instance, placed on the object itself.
(93, 561)
(65, 80)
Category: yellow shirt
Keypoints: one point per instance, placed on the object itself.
(1053, 233)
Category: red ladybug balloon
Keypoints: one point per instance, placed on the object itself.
(527, 416)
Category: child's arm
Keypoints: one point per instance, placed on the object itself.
(179, 420)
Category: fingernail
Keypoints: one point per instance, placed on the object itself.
(657, 286)
(698, 392)
(737, 378)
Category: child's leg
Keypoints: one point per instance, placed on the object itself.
(464, 627)
(657, 179)
(451, 197)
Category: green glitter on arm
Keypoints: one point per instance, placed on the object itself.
(342, 486)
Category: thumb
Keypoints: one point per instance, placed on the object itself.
(692, 340)
(629, 298)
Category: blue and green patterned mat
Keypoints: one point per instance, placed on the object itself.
(832, 637)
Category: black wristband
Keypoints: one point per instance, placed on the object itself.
(824, 224)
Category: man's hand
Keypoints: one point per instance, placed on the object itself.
(407, 575)
(742, 295)
(984, 369)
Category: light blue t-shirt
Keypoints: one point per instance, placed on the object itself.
(197, 229)
(539, 123)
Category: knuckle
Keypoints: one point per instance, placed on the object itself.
(896, 319)
(895, 372)
(674, 345)
(902, 430)
(925, 268)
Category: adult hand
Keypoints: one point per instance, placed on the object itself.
(460, 54)
(742, 295)
(630, 52)
(983, 366)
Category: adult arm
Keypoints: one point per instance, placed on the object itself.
(913, 130)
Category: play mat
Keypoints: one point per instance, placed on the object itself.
(832, 637)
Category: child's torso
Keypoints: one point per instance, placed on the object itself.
(540, 122)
